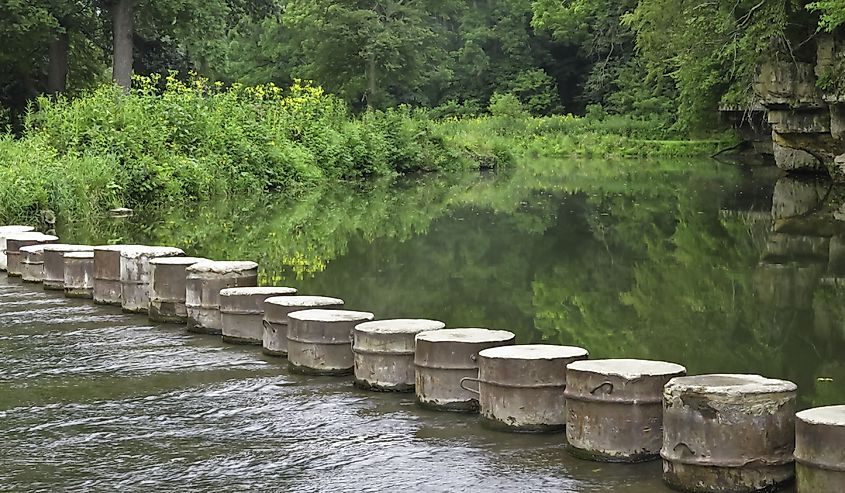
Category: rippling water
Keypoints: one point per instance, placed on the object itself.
(92, 399)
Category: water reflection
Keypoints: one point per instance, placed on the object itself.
(712, 266)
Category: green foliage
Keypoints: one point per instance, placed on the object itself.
(710, 50)
(595, 29)
(506, 105)
(598, 134)
(537, 90)
(454, 109)
(832, 13)
(669, 60)
(364, 51)
(386, 53)
(32, 181)
(196, 139)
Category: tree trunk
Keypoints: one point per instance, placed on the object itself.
(122, 30)
(371, 81)
(58, 65)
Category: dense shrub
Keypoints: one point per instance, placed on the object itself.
(169, 140)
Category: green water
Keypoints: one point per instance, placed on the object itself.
(707, 265)
(667, 260)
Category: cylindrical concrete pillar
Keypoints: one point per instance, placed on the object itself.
(444, 357)
(32, 263)
(520, 388)
(820, 449)
(167, 288)
(5, 231)
(203, 283)
(728, 433)
(320, 341)
(276, 310)
(384, 353)
(615, 408)
(242, 312)
(54, 263)
(135, 275)
(79, 274)
(16, 241)
(107, 273)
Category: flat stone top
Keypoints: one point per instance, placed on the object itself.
(466, 335)
(223, 266)
(628, 368)
(399, 326)
(534, 351)
(257, 291)
(31, 235)
(304, 301)
(80, 255)
(330, 315)
(33, 249)
(827, 415)
(63, 247)
(151, 251)
(115, 248)
(177, 260)
(15, 229)
(730, 383)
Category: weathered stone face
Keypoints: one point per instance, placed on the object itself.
(783, 83)
(804, 122)
(837, 121)
(806, 111)
(790, 159)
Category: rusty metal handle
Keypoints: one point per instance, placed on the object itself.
(687, 450)
(470, 379)
(603, 384)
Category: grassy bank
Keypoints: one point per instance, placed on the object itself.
(170, 141)
(565, 136)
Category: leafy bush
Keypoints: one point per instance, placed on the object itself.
(537, 91)
(506, 105)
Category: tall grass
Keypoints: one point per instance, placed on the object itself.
(563, 136)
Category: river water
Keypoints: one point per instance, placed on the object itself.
(719, 268)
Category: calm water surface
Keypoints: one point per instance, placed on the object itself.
(711, 266)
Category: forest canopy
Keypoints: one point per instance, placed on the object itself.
(674, 59)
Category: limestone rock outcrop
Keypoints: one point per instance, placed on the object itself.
(806, 107)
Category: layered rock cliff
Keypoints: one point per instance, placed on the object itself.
(804, 94)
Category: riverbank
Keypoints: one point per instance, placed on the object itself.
(193, 140)
(169, 142)
(591, 136)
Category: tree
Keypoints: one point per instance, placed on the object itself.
(497, 51)
(370, 51)
(710, 50)
(832, 13)
(122, 13)
(44, 47)
(24, 32)
(595, 30)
